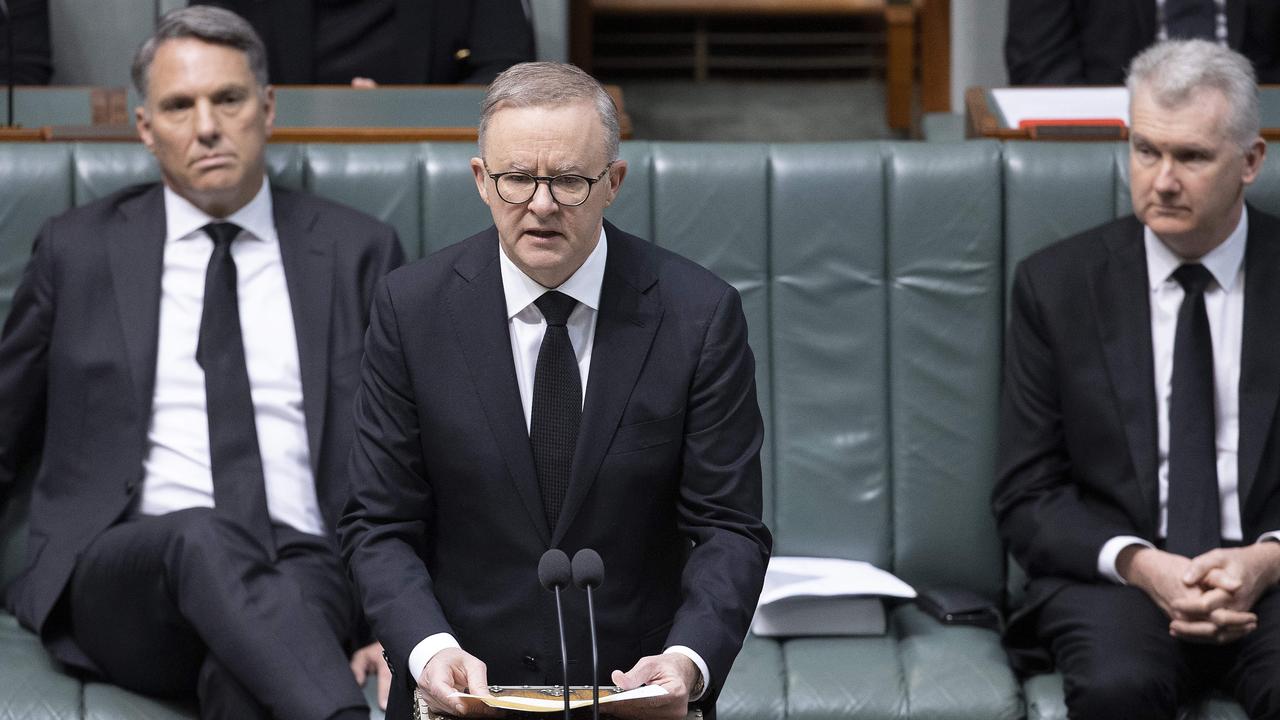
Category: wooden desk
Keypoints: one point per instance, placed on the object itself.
(337, 114)
(982, 120)
(900, 35)
(36, 106)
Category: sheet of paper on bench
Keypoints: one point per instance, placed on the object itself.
(527, 704)
(1094, 103)
(824, 596)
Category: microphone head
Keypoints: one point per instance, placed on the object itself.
(553, 569)
(588, 568)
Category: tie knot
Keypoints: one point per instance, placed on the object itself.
(222, 233)
(1193, 277)
(555, 307)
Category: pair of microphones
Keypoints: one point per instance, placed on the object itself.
(556, 572)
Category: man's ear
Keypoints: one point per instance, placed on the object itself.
(269, 107)
(617, 173)
(482, 187)
(1253, 159)
(143, 123)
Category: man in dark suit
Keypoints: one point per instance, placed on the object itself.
(28, 24)
(388, 41)
(1139, 471)
(554, 382)
(1090, 42)
(182, 358)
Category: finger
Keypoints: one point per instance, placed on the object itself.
(359, 668)
(384, 685)
(1194, 630)
(477, 676)
(1197, 606)
(1200, 566)
(1226, 617)
(1221, 579)
(438, 691)
(1230, 635)
(624, 680)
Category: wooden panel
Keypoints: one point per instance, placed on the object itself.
(900, 65)
(935, 56)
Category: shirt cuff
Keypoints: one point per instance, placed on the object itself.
(1111, 551)
(1273, 536)
(697, 660)
(427, 649)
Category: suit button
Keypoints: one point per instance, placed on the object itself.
(530, 662)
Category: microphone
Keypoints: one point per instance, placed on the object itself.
(588, 574)
(554, 573)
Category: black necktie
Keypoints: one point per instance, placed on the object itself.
(1194, 519)
(238, 488)
(557, 404)
(1190, 19)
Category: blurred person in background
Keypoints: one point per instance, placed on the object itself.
(1090, 42)
(372, 42)
(27, 22)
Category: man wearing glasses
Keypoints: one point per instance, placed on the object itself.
(554, 382)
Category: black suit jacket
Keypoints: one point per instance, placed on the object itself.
(32, 64)
(1090, 42)
(78, 355)
(1078, 445)
(445, 527)
(429, 33)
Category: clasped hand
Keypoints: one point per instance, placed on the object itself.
(1208, 598)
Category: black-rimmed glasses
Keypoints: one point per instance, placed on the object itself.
(567, 190)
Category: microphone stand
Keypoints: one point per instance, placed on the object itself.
(555, 572)
(564, 653)
(588, 574)
(595, 659)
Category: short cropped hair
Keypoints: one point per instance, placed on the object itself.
(1175, 69)
(213, 25)
(541, 84)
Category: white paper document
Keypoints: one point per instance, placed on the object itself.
(791, 577)
(1094, 103)
(807, 596)
(529, 704)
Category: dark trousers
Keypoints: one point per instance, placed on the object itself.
(1112, 645)
(188, 601)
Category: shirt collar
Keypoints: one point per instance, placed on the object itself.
(1223, 262)
(583, 285)
(183, 219)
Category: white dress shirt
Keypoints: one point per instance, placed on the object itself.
(527, 327)
(177, 471)
(1224, 304)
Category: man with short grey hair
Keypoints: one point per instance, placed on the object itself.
(554, 382)
(180, 361)
(1139, 471)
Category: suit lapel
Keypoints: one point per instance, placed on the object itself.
(308, 272)
(135, 253)
(1123, 308)
(625, 327)
(1260, 349)
(478, 309)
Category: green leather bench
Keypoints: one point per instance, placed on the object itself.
(873, 276)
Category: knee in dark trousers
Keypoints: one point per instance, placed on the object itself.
(1122, 688)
